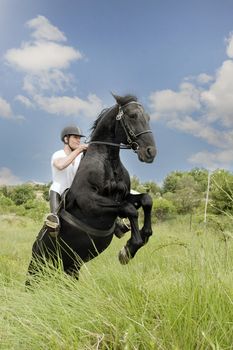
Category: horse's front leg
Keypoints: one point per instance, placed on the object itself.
(135, 242)
(143, 200)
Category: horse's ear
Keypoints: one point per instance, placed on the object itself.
(118, 99)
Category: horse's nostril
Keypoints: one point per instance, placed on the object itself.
(151, 152)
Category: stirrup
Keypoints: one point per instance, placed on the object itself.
(127, 224)
(52, 221)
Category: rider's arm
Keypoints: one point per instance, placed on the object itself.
(64, 162)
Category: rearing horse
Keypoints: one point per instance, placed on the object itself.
(100, 192)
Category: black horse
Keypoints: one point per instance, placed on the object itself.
(100, 193)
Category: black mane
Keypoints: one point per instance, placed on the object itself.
(99, 118)
(121, 101)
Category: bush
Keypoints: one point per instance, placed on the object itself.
(21, 194)
(221, 192)
(162, 208)
(46, 192)
(32, 208)
(4, 201)
(36, 209)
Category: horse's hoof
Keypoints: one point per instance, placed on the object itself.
(124, 256)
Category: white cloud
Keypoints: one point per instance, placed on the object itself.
(70, 106)
(19, 118)
(201, 79)
(198, 129)
(204, 109)
(25, 101)
(219, 98)
(5, 109)
(204, 78)
(230, 45)
(213, 160)
(167, 104)
(47, 81)
(45, 61)
(8, 178)
(42, 56)
(43, 29)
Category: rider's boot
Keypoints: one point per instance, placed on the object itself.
(52, 221)
(121, 227)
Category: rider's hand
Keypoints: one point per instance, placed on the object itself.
(83, 147)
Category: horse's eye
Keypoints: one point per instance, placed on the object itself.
(133, 116)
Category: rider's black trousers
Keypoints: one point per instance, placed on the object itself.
(54, 201)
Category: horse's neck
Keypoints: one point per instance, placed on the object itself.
(105, 129)
(105, 134)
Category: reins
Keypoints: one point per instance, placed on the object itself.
(131, 136)
(120, 145)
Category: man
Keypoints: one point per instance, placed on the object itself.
(65, 163)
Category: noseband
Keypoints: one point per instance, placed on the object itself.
(131, 136)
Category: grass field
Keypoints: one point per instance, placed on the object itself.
(177, 293)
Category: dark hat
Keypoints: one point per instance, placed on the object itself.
(71, 130)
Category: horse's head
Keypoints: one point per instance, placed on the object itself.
(135, 128)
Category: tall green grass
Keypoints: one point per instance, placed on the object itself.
(177, 293)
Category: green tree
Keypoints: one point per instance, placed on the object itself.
(36, 209)
(200, 176)
(171, 180)
(136, 184)
(152, 188)
(162, 208)
(22, 193)
(187, 195)
(221, 192)
(4, 190)
(5, 201)
(46, 192)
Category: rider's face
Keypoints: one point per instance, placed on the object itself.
(74, 141)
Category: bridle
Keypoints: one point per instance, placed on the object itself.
(130, 135)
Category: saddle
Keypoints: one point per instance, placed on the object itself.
(118, 228)
(77, 223)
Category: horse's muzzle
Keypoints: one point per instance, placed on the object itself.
(147, 154)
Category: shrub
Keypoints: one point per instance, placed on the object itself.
(21, 194)
(4, 201)
(46, 192)
(162, 208)
(36, 209)
(222, 192)
(32, 208)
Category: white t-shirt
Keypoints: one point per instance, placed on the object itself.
(62, 179)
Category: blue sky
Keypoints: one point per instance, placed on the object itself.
(59, 60)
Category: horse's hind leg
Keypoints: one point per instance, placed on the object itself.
(37, 261)
(73, 271)
(41, 252)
